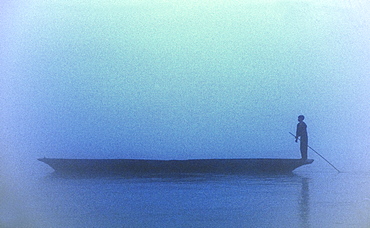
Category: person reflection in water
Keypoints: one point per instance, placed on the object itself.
(302, 134)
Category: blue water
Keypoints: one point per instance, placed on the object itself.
(306, 198)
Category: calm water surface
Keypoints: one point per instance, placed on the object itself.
(306, 198)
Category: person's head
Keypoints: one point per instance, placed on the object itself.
(300, 118)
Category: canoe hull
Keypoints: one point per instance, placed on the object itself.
(133, 166)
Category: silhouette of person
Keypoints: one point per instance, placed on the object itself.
(302, 134)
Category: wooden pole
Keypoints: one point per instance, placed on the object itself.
(319, 155)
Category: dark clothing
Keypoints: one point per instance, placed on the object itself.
(303, 147)
(302, 133)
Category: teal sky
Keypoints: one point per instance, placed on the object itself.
(174, 80)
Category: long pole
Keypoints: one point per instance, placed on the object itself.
(319, 155)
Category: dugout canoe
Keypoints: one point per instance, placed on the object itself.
(144, 166)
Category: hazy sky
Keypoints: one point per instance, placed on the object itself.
(178, 80)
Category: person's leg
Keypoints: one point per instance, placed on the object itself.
(303, 147)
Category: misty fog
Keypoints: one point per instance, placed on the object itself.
(181, 80)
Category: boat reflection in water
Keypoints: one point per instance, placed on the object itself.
(203, 199)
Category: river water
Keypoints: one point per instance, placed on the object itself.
(309, 197)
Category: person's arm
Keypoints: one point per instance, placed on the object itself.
(297, 133)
